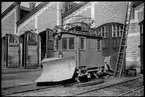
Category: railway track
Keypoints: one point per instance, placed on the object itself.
(33, 87)
(122, 88)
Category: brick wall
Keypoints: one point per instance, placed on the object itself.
(9, 23)
(30, 25)
(84, 11)
(106, 12)
(133, 51)
(48, 18)
(133, 41)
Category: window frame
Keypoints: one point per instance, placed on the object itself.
(103, 31)
(11, 39)
(67, 38)
(56, 44)
(66, 43)
(32, 39)
(115, 29)
(104, 43)
(99, 44)
(15, 41)
(83, 42)
(69, 43)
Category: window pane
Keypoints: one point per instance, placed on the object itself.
(99, 32)
(121, 30)
(11, 39)
(71, 43)
(103, 31)
(64, 43)
(118, 30)
(114, 30)
(56, 44)
(98, 41)
(82, 43)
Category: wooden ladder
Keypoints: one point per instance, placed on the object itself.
(122, 48)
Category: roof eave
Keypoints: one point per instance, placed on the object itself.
(73, 10)
(36, 9)
(9, 9)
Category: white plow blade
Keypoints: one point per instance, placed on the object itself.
(57, 70)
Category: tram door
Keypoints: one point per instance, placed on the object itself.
(81, 51)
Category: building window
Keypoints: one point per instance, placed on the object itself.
(82, 42)
(11, 39)
(104, 43)
(99, 32)
(71, 43)
(32, 38)
(116, 42)
(69, 6)
(64, 43)
(116, 30)
(98, 45)
(50, 35)
(103, 31)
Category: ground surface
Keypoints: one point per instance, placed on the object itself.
(16, 77)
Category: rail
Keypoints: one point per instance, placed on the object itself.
(135, 92)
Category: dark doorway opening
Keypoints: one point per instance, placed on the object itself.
(43, 44)
(22, 49)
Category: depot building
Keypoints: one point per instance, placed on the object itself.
(108, 19)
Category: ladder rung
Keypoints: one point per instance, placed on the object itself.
(118, 69)
(123, 45)
(121, 52)
(121, 58)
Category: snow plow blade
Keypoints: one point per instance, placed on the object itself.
(56, 69)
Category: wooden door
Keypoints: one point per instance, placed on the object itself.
(32, 51)
(3, 62)
(13, 51)
(49, 43)
(81, 51)
(91, 52)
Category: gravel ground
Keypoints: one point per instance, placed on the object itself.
(16, 79)
(116, 90)
(73, 90)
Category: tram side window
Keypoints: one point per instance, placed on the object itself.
(71, 43)
(82, 43)
(56, 44)
(98, 45)
(64, 43)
